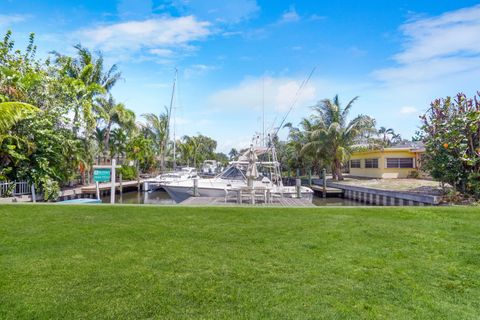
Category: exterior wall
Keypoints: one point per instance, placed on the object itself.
(382, 172)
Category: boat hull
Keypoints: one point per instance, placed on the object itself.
(182, 193)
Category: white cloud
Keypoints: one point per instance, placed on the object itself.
(156, 35)
(437, 47)
(166, 53)
(279, 94)
(452, 33)
(239, 143)
(290, 16)
(197, 70)
(7, 20)
(408, 110)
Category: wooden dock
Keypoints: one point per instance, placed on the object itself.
(214, 201)
(107, 186)
(330, 191)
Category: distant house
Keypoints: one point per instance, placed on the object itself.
(401, 161)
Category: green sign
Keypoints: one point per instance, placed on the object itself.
(101, 175)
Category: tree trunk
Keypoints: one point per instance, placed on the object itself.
(83, 177)
(334, 172)
(106, 139)
(162, 157)
(338, 167)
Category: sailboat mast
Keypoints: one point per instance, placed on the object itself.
(263, 112)
(169, 115)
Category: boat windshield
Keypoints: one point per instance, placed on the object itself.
(233, 173)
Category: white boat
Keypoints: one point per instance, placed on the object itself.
(185, 173)
(210, 167)
(239, 175)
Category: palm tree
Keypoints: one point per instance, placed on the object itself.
(88, 78)
(195, 145)
(233, 154)
(99, 137)
(113, 113)
(186, 151)
(396, 138)
(386, 135)
(157, 126)
(331, 136)
(118, 143)
(75, 67)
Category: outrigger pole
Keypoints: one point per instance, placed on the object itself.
(295, 99)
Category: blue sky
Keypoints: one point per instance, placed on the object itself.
(235, 56)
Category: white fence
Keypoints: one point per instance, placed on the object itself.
(15, 188)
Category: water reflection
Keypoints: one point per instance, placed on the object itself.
(134, 197)
(161, 197)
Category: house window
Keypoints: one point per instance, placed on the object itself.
(355, 163)
(371, 163)
(400, 163)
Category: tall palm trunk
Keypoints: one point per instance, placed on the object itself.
(106, 139)
(162, 157)
(338, 169)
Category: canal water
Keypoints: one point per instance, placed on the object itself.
(161, 197)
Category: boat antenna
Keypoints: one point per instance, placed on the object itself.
(169, 116)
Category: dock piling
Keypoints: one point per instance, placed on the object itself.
(195, 187)
(324, 182)
(298, 187)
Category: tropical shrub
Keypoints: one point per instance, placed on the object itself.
(451, 133)
(128, 172)
(50, 188)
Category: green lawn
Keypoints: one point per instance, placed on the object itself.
(138, 262)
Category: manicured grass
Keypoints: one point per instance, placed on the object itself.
(137, 262)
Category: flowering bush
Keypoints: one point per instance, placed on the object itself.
(451, 133)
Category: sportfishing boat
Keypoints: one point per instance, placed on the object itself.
(186, 173)
(210, 168)
(247, 171)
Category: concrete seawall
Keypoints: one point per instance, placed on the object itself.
(385, 197)
(382, 197)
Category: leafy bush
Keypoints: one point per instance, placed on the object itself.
(50, 188)
(451, 133)
(128, 172)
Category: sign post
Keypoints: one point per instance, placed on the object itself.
(112, 192)
(105, 174)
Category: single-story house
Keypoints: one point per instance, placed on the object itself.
(401, 161)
